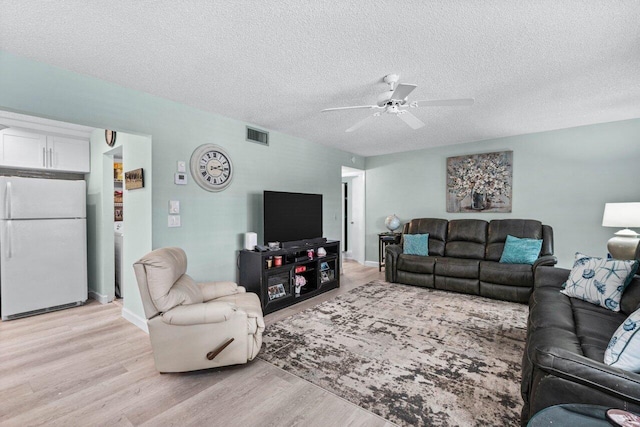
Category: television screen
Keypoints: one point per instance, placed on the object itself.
(292, 216)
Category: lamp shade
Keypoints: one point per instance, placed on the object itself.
(625, 215)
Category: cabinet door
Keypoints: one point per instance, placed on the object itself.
(21, 149)
(44, 264)
(68, 154)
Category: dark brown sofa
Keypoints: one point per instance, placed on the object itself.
(563, 360)
(464, 254)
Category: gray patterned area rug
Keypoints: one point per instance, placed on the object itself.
(414, 356)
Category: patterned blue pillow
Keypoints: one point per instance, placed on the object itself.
(520, 251)
(416, 244)
(599, 281)
(623, 350)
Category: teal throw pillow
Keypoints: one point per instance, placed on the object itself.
(416, 244)
(623, 350)
(599, 281)
(520, 251)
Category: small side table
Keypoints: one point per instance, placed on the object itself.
(385, 239)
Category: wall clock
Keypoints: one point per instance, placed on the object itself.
(110, 137)
(211, 167)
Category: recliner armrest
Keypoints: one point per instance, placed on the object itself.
(549, 260)
(195, 314)
(213, 290)
(545, 276)
(573, 367)
(391, 262)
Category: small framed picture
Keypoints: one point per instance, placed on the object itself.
(276, 291)
(134, 179)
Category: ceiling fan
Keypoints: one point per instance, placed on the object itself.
(394, 101)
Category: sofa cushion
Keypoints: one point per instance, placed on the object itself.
(623, 350)
(590, 326)
(416, 263)
(599, 281)
(436, 229)
(457, 267)
(506, 274)
(184, 291)
(594, 327)
(466, 238)
(416, 244)
(499, 229)
(520, 251)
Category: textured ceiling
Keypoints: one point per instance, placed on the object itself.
(530, 65)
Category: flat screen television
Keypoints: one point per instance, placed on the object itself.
(292, 217)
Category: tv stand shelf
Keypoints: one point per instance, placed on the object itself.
(276, 286)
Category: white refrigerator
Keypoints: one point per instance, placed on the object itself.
(43, 245)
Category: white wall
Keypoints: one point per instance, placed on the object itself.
(562, 178)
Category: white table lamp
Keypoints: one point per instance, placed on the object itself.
(625, 242)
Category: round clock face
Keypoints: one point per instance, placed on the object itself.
(211, 167)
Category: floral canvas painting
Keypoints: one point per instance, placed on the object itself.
(480, 182)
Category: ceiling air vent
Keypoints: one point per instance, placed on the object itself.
(257, 136)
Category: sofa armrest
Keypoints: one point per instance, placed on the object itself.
(573, 367)
(545, 276)
(391, 262)
(548, 260)
(213, 290)
(196, 314)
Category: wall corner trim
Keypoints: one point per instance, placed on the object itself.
(135, 319)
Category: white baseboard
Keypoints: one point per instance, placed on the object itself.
(135, 319)
(371, 263)
(102, 299)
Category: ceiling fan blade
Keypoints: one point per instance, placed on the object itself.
(402, 91)
(361, 123)
(410, 119)
(444, 102)
(356, 107)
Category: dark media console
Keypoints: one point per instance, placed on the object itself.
(277, 285)
(307, 243)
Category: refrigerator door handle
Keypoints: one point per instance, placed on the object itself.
(44, 157)
(50, 157)
(7, 200)
(9, 238)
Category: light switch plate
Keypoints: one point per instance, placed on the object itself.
(174, 220)
(182, 166)
(174, 206)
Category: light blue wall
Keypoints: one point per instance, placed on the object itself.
(212, 223)
(137, 205)
(562, 178)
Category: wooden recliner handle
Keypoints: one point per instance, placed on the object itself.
(213, 353)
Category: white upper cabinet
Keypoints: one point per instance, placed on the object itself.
(68, 154)
(23, 149)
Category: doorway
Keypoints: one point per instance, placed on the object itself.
(353, 225)
(130, 152)
(118, 222)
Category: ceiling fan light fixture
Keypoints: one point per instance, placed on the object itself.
(395, 101)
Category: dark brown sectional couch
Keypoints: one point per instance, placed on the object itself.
(464, 254)
(563, 361)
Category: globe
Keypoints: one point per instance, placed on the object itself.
(392, 222)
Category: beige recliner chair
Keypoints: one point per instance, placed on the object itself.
(195, 325)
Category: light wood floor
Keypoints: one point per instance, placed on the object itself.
(87, 366)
